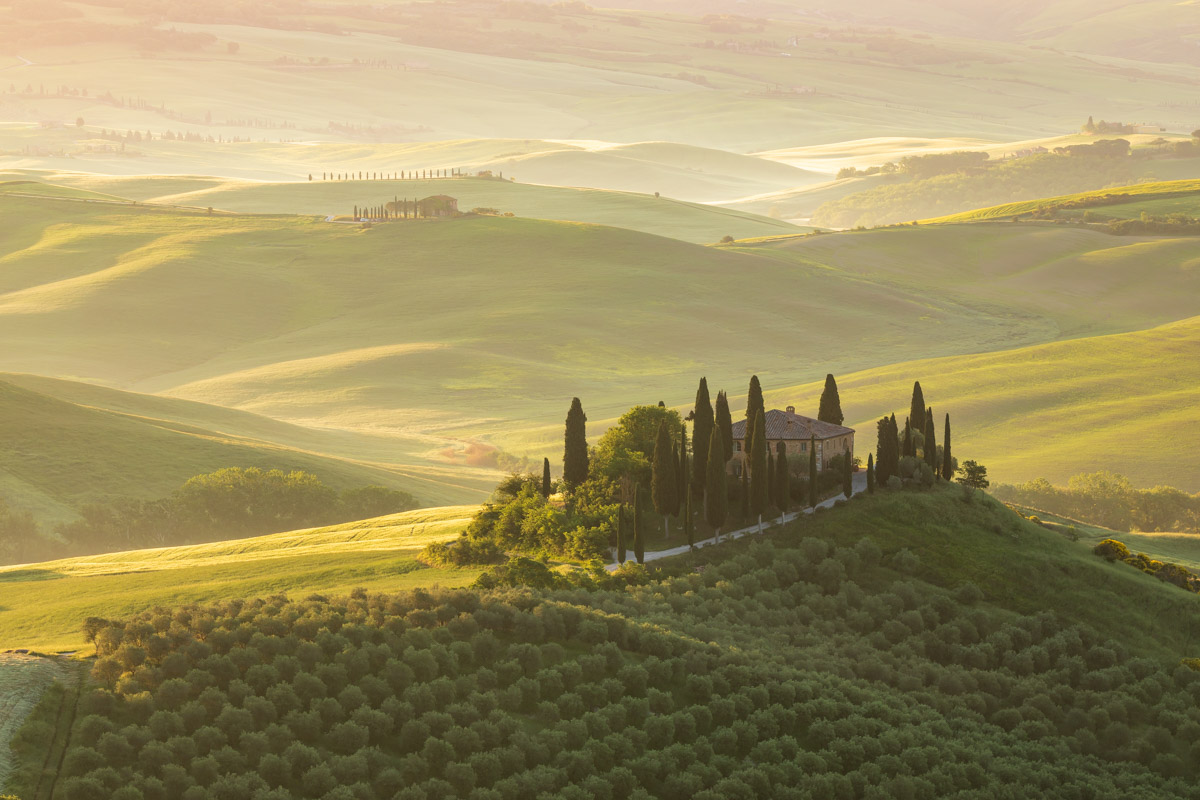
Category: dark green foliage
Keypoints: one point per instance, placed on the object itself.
(812, 473)
(947, 458)
(546, 484)
(916, 413)
(621, 534)
(1110, 500)
(461, 552)
(908, 447)
(973, 475)
(743, 495)
(760, 478)
(682, 473)
(831, 404)
(772, 483)
(639, 534)
(931, 451)
(1175, 574)
(754, 407)
(871, 473)
(716, 499)
(887, 454)
(575, 450)
(689, 524)
(664, 483)
(724, 423)
(702, 427)
(783, 480)
(815, 665)
(847, 478)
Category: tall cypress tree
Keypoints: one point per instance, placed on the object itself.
(702, 427)
(812, 473)
(847, 476)
(771, 482)
(682, 475)
(621, 534)
(759, 478)
(783, 478)
(724, 423)
(744, 495)
(689, 528)
(947, 461)
(894, 450)
(916, 413)
(639, 538)
(575, 453)
(545, 477)
(831, 403)
(885, 437)
(910, 447)
(870, 473)
(754, 405)
(663, 480)
(931, 445)
(715, 500)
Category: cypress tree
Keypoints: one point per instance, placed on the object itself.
(575, 453)
(772, 485)
(621, 534)
(885, 437)
(715, 499)
(759, 478)
(689, 529)
(916, 413)
(910, 447)
(545, 477)
(931, 445)
(639, 539)
(681, 472)
(663, 480)
(870, 473)
(724, 422)
(744, 495)
(947, 461)
(754, 405)
(812, 473)
(847, 476)
(831, 403)
(702, 427)
(894, 450)
(783, 488)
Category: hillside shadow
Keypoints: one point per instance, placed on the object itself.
(27, 575)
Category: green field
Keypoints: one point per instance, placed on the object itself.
(662, 216)
(1183, 195)
(44, 604)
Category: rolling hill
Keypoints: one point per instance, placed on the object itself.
(1156, 197)
(46, 603)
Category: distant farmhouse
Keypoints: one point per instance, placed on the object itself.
(795, 432)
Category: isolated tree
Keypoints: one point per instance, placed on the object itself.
(831, 403)
(947, 461)
(639, 537)
(664, 483)
(545, 477)
(621, 534)
(931, 444)
(716, 501)
(759, 478)
(702, 427)
(870, 473)
(575, 452)
(812, 473)
(973, 475)
(754, 405)
(847, 476)
(724, 422)
(783, 488)
(916, 413)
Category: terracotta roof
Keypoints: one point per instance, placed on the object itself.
(790, 425)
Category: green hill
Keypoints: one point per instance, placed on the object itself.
(1159, 197)
(73, 443)
(45, 603)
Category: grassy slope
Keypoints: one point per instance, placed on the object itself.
(71, 443)
(1184, 191)
(1124, 402)
(44, 604)
(662, 216)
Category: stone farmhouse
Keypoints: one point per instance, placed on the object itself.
(796, 432)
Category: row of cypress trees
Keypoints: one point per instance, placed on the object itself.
(892, 445)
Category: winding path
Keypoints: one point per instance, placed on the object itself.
(859, 486)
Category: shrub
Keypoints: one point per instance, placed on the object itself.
(1111, 550)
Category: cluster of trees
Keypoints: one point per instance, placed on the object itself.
(1172, 573)
(647, 464)
(402, 175)
(1110, 500)
(1170, 224)
(913, 456)
(229, 503)
(785, 667)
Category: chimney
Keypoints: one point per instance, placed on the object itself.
(791, 409)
